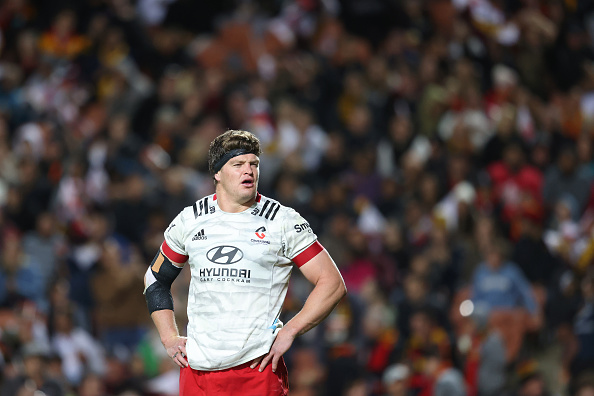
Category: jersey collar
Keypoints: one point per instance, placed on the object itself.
(258, 197)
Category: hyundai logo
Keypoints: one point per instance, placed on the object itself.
(224, 254)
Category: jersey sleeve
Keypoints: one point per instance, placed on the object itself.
(174, 246)
(301, 243)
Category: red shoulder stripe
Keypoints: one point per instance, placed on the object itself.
(309, 253)
(171, 255)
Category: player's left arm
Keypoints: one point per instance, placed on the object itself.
(329, 289)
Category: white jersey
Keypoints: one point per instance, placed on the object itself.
(240, 268)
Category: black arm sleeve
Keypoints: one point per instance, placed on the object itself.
(158, 294)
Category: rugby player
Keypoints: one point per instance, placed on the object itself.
(241, 248)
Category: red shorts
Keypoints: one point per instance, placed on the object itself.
(240, 380)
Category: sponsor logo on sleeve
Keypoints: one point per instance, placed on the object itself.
(302, 227)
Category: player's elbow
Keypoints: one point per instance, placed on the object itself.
(334, 288)
(343, 290)
(340, 290)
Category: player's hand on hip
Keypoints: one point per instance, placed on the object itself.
(281, 344)
(176, 349)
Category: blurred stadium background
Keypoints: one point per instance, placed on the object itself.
(441, 150)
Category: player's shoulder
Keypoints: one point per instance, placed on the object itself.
(201, 208)
(267, 208)
(271, 209)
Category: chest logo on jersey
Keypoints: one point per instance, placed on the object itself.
(260, 233)
(224, 255)
(199, 236)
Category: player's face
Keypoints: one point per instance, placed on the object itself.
(238, 178)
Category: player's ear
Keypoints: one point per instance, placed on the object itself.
(217, 176)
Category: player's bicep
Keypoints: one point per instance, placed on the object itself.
(177, 259)
(171, 262)
(321, 267)
(157, 283)
(162, 270)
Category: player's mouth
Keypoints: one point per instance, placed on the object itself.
(247, 183)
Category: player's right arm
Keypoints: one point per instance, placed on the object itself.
(174, 344)
(163, 270)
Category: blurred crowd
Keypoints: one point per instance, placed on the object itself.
(442, 150)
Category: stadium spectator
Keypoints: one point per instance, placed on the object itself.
(500, 284)
(395, 380)
(34, 377)
(584, 352)
(79, 351)
(91, 385)
(586, 389)
(531, 254)
(564, 179)
(118, 310)
(19, 279)
(532, 384)
(45, 247)
(444, 379)
(62, 41)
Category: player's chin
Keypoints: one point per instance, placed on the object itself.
(249, 191)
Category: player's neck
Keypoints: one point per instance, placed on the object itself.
(230, 204)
